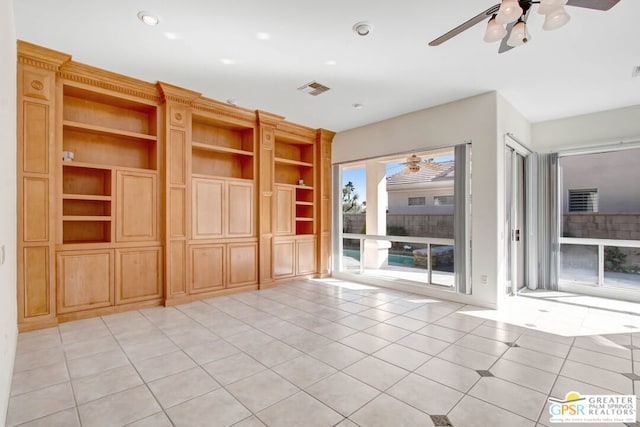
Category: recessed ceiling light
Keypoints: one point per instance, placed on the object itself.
(263, 36)
(362, 28)
(330, 62)
(227, 61)
(148, 18)
(358, 106)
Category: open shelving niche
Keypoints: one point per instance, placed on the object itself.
(294, 166)
(105, 133)
(221, 150)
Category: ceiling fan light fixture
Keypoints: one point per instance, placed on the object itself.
(509, 11)
(548, 6)
(495, 31)
(519, 35)
(556, 19)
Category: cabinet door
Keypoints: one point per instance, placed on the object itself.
(137, 210)
(306, 256)
(208, 208)
(138, 274)
(84, 280)
(240, 217)
(207, 268)
(285, 210)
(243, 264)
(284, 258)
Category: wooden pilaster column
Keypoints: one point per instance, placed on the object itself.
(177, 220)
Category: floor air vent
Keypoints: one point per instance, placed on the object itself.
(314, 88)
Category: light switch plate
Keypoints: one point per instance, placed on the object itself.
(1, 254)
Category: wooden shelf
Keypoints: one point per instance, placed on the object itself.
(86, 197)
(74, 164)
(86, 218)
(106, 131)
(304, 219)
(219, 149)
(292, 162)
(226, 178)
(304, 203)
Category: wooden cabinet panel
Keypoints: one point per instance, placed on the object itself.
(285, 210)
(176, 266)
(241, 211)
(208, 208)
(284, 258)
(243, 264)
(207, 268)
(177, 155)
(35, 209)
(84, 280)
(138, 274)
(36, 138)
(36, 281)
(306, 256)
(137, 211)
(178, 205)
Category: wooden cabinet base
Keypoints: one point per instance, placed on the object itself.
(85, 314)
(184, 299)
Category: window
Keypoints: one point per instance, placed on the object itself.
(443, 200)
(417, 201)
(583, 200)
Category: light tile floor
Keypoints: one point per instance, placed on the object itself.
(322, 353)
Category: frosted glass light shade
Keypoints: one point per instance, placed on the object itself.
(509, 11)
(519, 35)
(548, 6)
(556, 19)
(494, 31)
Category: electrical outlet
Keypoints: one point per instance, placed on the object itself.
(484, 279)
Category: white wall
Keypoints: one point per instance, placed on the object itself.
(473, 119)
(611, 126)
(8, 322)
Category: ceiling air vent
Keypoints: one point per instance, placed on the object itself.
(314, 88)
(636, 71)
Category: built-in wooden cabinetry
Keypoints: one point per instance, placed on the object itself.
(168, 197)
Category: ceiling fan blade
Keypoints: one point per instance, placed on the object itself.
(504, 47)
(593, 4)
(466, 25)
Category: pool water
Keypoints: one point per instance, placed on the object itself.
(393, 259)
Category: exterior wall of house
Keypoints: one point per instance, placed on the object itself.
(399, 201)
(616, 176)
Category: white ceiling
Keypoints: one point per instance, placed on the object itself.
(583, 67)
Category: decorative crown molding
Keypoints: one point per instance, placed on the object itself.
(40, 57)
(296, 132)
(224, 112)
(86, 74)
(171, 93)
(268, 119)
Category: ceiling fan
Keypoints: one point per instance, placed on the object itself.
(414, 163)
(507, 20)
